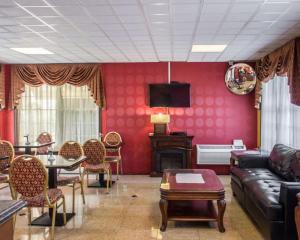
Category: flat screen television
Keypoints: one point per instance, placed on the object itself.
(169, 95)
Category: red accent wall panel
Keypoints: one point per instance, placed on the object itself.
(7, 116)
(216, 115)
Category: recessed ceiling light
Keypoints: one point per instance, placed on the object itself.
(208, 48)
(32, 50)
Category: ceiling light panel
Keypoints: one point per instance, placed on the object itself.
(208, 48)
(32, 51)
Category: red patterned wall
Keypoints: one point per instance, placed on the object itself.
(216, 115)
(7, 116)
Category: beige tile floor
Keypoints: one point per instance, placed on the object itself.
(118, 216)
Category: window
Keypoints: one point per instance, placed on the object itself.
(67, 112)
(280, 122)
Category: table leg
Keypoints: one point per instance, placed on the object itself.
(101, 182)
(221, 210)
(163, 205)
(27, 150)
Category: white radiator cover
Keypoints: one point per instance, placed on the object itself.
(215, 154)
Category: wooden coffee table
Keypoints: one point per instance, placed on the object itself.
(191, 201)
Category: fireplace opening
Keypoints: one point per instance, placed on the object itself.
(171, 159)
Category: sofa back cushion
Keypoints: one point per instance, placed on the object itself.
(295, 167)
(280, 160)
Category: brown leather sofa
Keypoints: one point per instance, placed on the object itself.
(266, 186)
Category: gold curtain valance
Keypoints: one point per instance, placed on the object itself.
(284, 61)
(57, 74)
(2, 88)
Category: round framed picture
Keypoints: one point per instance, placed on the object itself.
(240, 78)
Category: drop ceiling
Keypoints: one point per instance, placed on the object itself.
(144, 30)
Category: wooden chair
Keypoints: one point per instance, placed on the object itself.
(71, 149)
(44, 137)
(113, 143)
(6, 150)
(29, 179)
(95, 152)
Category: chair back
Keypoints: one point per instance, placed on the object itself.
(71, 149)
(28, 176)
(6, 149)
(112, 139)
(94, 150)
(44, 137)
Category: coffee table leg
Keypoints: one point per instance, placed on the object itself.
(221, 210)
(163, 205)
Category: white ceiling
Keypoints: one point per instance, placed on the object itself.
(144, 30)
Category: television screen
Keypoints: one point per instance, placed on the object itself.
(169, 95)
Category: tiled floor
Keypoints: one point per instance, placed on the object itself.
(119, 215)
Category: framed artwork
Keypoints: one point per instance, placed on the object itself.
(240, 78)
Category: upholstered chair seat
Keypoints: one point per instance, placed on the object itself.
(97, 167)
(3, 178)
(40, 200)
(65, 180)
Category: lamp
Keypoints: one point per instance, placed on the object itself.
(160, 122)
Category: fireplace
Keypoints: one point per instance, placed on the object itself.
(170, 159)
(170, 152)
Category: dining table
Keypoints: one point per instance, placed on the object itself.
(52, 164)
(30, 146)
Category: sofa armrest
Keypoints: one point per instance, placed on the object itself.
(297, 215)
(250, 161)
(288, 198)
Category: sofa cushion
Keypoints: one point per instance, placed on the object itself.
(280, 160)
(242, 175)
(265, 194)
(295, 167)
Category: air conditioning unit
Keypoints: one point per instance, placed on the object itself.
(217, 153)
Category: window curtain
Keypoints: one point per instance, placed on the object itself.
(66, 112)
(284, 61)
(280, 121)
(56, 75)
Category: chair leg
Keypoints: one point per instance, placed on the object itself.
(14, 221)
(73, 200)
(53, 220)
(121, 166)
(64, 210)
(118, 170)
(110, 178)
(11, 191)
(82, 192)
(29, 215)
(87, 178)
(107, 181)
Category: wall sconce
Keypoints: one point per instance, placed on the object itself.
(160, 122)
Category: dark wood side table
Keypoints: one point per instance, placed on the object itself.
(191, 201)
(170, 152)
